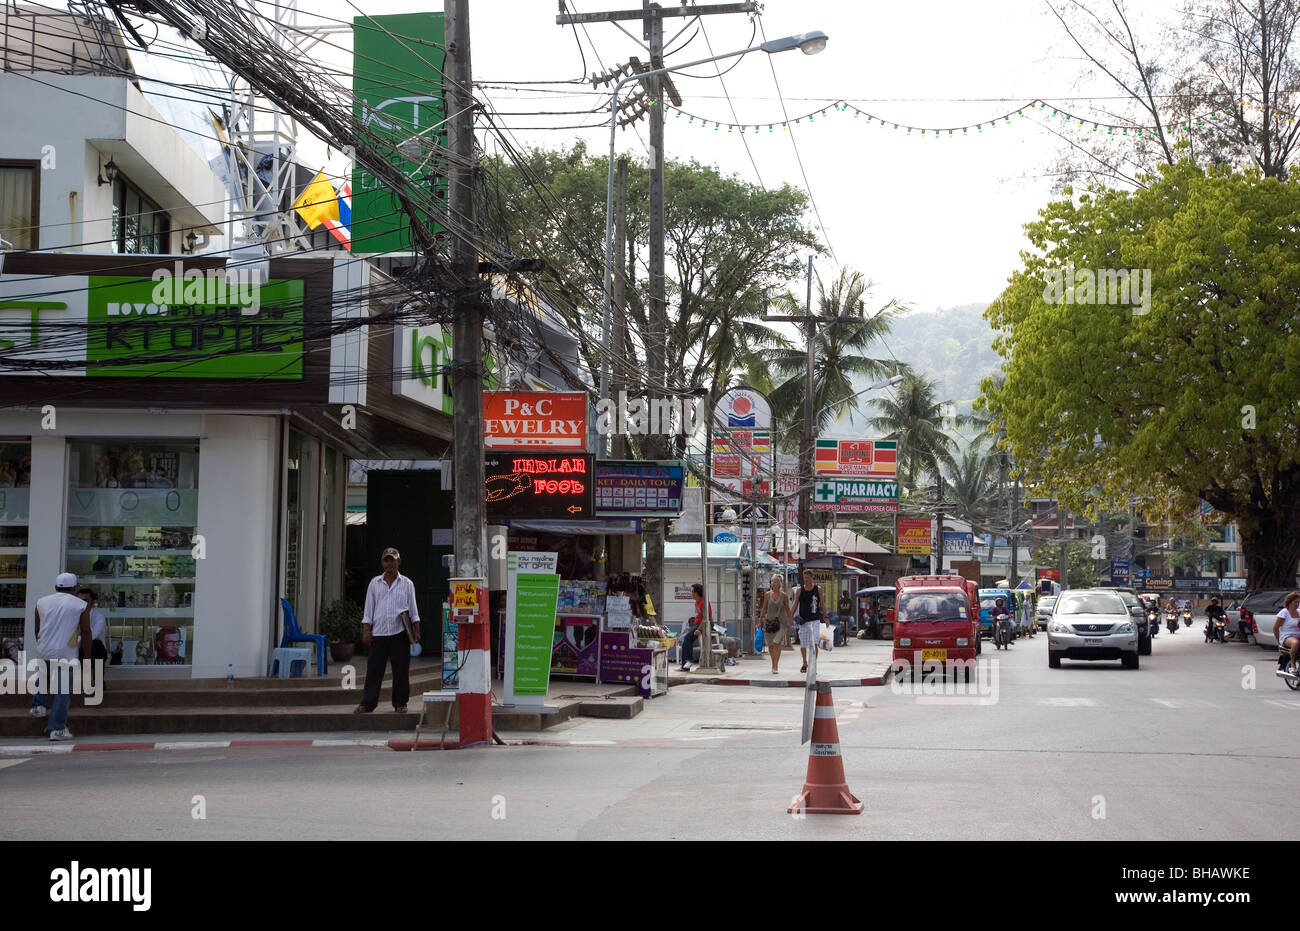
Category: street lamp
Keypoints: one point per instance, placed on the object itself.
(810, 43)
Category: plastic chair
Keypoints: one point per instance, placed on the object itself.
(293, 635)
(284, 658)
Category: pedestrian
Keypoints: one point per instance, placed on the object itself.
(774, 614)
(98, 625)
(62, 633)
(686, 645)
(873, 619)
(390, 607)
(808, 615)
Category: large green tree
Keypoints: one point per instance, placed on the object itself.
(1190, 395)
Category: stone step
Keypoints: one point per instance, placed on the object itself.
(623, 706)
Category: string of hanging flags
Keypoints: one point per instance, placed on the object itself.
(1187, 124)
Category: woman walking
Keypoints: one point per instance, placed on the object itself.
(774, 614)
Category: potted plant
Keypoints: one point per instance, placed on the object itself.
(340, 622)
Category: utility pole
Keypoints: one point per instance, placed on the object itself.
(614, 553)
(467, 333)
(1013, 536)
(806, 467)
(652, 17)
(1060, 529)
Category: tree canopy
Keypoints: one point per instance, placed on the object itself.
(1195, 399)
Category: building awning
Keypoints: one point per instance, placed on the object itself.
(626, 527)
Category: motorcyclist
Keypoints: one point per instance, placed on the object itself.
(1213, 612)
(999, 609)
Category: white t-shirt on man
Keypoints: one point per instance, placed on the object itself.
(60, 626)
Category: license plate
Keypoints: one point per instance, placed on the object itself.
(934, 654)
(1093, 641)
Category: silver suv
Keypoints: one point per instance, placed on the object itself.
(1092, 623)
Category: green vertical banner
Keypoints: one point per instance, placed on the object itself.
(397, 64)
(532, 590)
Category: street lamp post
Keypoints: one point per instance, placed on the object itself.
(810, 43)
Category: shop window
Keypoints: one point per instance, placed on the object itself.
(140, 226)
(132, 511)
(15, 482)
(20, 203)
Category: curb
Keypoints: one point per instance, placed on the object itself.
(33, 749)
(802, 683)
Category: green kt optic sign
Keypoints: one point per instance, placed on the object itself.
(397, 65)
(130, 335)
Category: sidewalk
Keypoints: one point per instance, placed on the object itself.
(709, 705)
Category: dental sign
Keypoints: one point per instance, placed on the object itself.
(535, 420)
(397, 69)
(539, 486)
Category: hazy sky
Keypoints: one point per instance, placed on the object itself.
(935, 222)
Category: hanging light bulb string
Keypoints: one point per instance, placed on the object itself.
(1037, 105)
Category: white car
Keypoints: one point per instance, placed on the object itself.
(1092, 623)
(1260, 609)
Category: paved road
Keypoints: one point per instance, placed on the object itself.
(1089, 751)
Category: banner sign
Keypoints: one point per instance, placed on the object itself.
(847, 496)
(116, 327)
(914, 536)
(856, 457)
(1119, 569)
(535, 419)
(742, 441)
(397, 67)
(957, 543)
(539, 486)
(639, 489)
(1053, 574)
(532, 591)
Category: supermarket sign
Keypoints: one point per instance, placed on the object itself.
(535, 420)
(855, 496)
(856, 457)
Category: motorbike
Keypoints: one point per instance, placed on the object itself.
(1187, 617)
(1216, 629)
(1283, 671)
(1153, 623)
(1002, 632)
(1171, 621)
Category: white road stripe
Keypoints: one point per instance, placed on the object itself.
(1070, 702)
(191, 745)
(4, 763)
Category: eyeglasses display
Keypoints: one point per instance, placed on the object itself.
(15, 479)
(132, 516)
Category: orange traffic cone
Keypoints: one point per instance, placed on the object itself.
(824, 790)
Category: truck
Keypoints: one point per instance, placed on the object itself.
(936, 624)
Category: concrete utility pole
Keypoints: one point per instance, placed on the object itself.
(470, 540)
(652, 17)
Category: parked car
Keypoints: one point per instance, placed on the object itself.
(1043, 613)
(1092, 624)
(1260, 609)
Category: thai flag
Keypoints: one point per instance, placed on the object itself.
(342, 227)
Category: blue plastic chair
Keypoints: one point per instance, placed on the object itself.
(293, 635)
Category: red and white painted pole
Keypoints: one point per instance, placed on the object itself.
(474, 701)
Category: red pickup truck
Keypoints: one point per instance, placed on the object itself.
(936, 624)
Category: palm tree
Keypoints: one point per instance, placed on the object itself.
(843, 337)
(914, 416)
(971, 489)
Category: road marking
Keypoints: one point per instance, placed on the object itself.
(1070, 702)
(4, 763)
(1282, 703)
(1167, 702)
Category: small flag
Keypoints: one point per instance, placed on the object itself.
(318, 202)
(341, 226)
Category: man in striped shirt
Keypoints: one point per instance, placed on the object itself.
(382, 630)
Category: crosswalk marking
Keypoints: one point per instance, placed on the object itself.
(1282, 703)
(1070, 702)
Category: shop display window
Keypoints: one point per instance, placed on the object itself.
(15, 492)
(132, 511)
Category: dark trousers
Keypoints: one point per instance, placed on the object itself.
(686, 647)
(397, 648)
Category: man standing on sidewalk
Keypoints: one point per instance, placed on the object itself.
(62, 619)
(384, 630)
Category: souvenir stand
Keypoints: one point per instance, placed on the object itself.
(633, 648)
